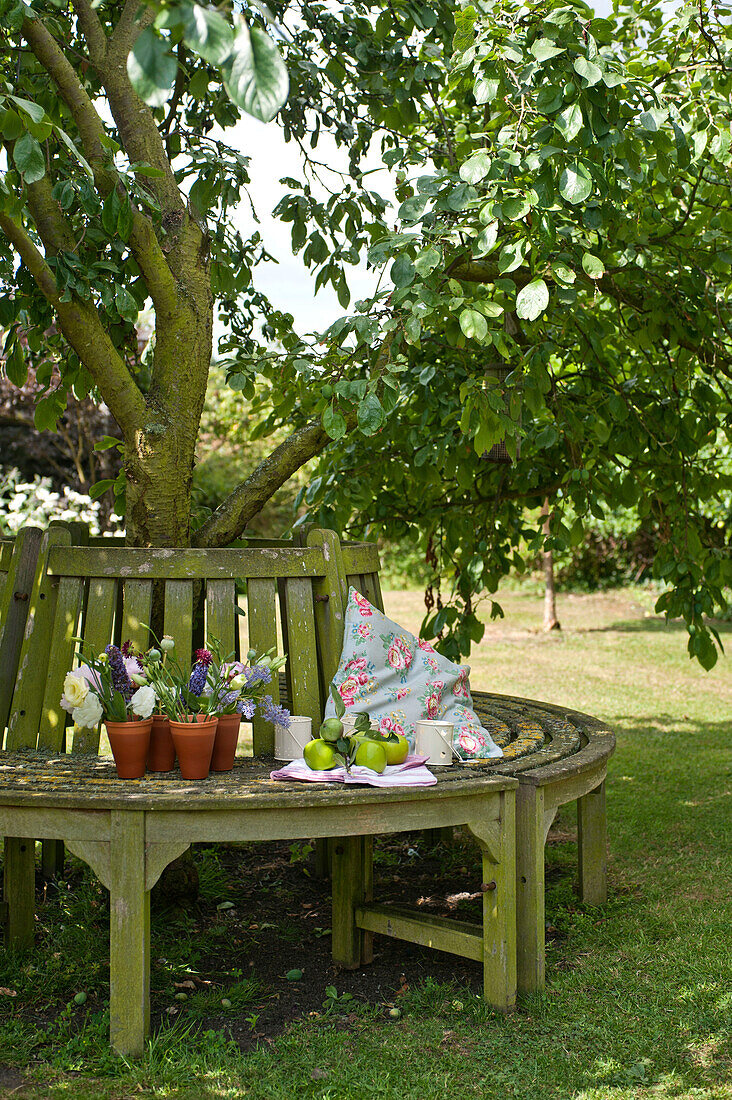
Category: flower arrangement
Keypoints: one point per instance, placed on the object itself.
(216, 685)
(110, 686)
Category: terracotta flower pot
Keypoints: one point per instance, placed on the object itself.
(194, 742)
(227, 735)
(129, 742)
(161, 754)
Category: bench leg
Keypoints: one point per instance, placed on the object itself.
(19, 891)
(52, 858)
(592, 844)
(129, 935)
(530, 951)
(499, 906)
(352, 884)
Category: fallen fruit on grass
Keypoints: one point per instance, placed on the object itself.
(181, 996)
(80, 999)
(395, 1013)
(293, 975)
(331, 729)
(225, 1002)
(319, 755)
(397, 751)
(370, 754)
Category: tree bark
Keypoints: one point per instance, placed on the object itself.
(551, 622)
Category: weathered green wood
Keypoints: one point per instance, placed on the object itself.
(184, 564)
(6, 556)
(98, 632)
(52, 727)
(19, 565)
(439, 933)
(330, 596)
(303, 655)
(371, 589)
(19, 878)
(367, 883)
(360, 557)
(25, 714)
(221, 613)
(530, 949)
(348, 894)
(262, 611)
(129, 934)
(499, 905)
(136, 610)
(592, 843)
(179, 619)
(52, 858)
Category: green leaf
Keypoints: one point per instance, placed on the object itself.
(29, 158)
(402, 271)
(16, 367)
(473, 324)
(427, 261)
(593, 265)
(46, 414)
(476, 167)
(126, 305)
(575, 183)
(486, 89)
(588, 71)
(487, 239)
(370, 414)
(33, 110)
(532, 300)
(256, 76)
(514, 209)
(334, 422)
(569, 121)
(71, 146)
(151, 68)
(562, 273)
(544, 48)
(207, 33)
(652, 119)
(100, 487)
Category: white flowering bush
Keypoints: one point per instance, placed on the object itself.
(37, 502)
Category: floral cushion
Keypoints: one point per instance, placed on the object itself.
(399, 679)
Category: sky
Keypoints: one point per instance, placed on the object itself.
(288, 283)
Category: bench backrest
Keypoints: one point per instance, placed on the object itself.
(104, 594)
(18, 566)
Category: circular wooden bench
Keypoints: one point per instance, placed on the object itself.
(128, 831)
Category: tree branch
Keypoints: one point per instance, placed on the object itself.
(231, 517)
(144, 244)
(93, 31)
(82, 328)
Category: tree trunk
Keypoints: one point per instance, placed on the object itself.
(551, 622)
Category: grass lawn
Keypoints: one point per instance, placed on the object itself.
(639, 993)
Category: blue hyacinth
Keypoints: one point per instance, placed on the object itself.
(274, 713)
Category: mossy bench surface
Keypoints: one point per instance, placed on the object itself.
(532, 735)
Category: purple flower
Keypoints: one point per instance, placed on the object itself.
(258, 674)
(120, 680)
(274, 713)
(246, 708)
(199, 672)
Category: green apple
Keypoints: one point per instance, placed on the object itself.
(370, 754)
(331, 729)
(319, 755)
(397, 751)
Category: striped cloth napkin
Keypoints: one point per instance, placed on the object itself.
(412, 773)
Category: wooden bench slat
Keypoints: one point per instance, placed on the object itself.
(221, 617)
(30, 685)
(261, 608)
(303, 656)
(136, 610)
(51, 733)
(166, 564)
(179, 619)
(18, 563)
(98, 631)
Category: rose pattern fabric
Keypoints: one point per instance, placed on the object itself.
(399, 679)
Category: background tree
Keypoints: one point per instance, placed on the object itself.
(564, 212)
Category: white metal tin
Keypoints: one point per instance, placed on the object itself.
(434, 740)
(290, 743)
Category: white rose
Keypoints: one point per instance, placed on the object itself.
(89, 714)
(237, 683)
(76, 690)
(143, 702)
